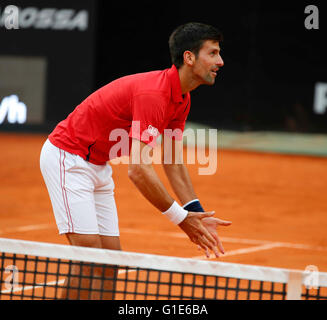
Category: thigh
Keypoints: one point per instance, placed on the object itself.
(105, 204)
(106, 211)
(70, 189)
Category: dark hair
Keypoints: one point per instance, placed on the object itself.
(190, 36)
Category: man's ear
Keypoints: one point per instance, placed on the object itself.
(189, 58)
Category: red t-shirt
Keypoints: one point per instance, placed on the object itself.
(137, 106)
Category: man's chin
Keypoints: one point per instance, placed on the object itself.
(209, 82)
(210, 79)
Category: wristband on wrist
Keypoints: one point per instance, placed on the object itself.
(194, 206)
(176, 214)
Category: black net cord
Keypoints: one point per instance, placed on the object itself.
(182, 286)
(136, 282)
(272, 291)
(158, 286)
(249, 291)
(204, 287)
(260, 290)
(237, 288)
(170, 285)
(126, 282)
(13, 275)
(2, 272)
(146, 285)
(44, 296)
(57, 279)
(216, 288)
(24, 276)
(226, 287)
(193, 286)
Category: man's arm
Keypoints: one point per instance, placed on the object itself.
(177, 173)
(181, 183)
(143, 175)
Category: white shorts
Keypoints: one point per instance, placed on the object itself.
(81, 193)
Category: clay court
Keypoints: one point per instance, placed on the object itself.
(277, 204)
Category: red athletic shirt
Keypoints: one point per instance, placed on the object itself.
(137, 106)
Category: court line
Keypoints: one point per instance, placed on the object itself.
(176, 235)
(242, 251)
(230, 239)
(32, 227)
(37, 286)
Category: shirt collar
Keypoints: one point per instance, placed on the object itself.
(176, 89)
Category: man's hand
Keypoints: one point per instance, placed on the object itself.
(211, 224)
(201, 229)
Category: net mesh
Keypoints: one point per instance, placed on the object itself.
(66, 272)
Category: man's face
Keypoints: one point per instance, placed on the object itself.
(208, 62)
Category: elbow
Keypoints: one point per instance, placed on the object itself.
(134, 172)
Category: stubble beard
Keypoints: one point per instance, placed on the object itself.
(209, 80)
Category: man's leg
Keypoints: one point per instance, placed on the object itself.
(111, 243)
(70, 182)
(111, 272)
(74, 281)
(107, 218)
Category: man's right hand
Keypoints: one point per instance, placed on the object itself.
(193, 226)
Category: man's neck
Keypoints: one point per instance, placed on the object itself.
(188, 82)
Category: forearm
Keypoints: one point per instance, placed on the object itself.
(148, 183)
(180, 181)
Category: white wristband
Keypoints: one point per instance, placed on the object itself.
(176, 214)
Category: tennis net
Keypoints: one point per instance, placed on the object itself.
(35, 270)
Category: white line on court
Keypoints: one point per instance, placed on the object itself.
(174, 235)
(229, 239)
(243, 251)
(37, 286)
(32, 227)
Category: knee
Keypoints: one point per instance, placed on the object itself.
(84, 240)
(111, 243)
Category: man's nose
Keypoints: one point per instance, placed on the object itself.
(220, 61)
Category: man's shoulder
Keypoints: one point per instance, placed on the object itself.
(152, 83)
(153, 80)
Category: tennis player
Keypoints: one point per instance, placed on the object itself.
(74, 158)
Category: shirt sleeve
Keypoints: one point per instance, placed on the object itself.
(148, 118)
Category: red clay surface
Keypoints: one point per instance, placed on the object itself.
(268, 197)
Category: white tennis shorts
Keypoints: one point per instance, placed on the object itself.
(81, 193)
